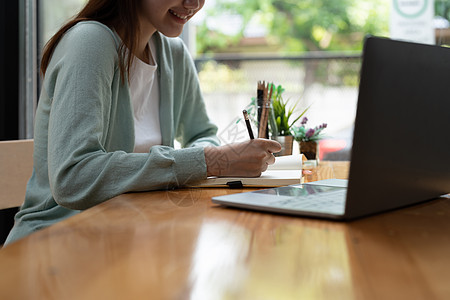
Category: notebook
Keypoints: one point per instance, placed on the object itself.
(400, 153)
(286, 170)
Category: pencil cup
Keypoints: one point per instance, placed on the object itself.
(286, 142)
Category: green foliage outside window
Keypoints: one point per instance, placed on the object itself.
(442, 8)
(307, 25)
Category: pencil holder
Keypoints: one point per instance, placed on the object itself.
(286, 142)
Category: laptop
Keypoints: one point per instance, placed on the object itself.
(401, 150)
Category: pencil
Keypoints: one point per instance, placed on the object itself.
(247, 122)
(260, 100)
(263, 129)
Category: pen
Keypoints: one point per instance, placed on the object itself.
(247, 122)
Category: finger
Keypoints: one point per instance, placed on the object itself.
(264, 168)
(271, 160)
(269, 145)
(273, 146)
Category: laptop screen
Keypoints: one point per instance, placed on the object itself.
(400, 152)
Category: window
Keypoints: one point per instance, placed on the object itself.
(53, 14)
(310, 47)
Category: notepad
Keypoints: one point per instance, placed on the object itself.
(286, 170)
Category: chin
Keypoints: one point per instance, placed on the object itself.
(171, 33)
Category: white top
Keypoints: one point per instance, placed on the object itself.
(144, 91)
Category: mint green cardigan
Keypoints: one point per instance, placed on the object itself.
(84, 130)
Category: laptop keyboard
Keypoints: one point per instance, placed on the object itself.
(332, 202)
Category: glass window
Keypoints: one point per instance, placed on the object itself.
(312, 48)
(53, 14)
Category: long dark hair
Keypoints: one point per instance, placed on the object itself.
(118, 14)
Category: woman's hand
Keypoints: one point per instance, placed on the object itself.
(246, 159)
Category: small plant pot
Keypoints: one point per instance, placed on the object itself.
(287, 142)
(310, 149)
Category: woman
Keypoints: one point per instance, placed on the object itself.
(116, 93)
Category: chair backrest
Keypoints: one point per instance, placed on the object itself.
(16, 165)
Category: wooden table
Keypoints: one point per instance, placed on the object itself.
(178, 245)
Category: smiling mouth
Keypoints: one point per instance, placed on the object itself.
(182, 17)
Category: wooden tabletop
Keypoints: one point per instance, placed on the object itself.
(179, 245)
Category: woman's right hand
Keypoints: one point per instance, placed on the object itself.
(245, 159)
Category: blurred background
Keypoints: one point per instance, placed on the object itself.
(311, 47)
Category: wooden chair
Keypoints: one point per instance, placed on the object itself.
(16, 165)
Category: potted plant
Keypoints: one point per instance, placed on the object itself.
(308, 138)
(281, 122)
